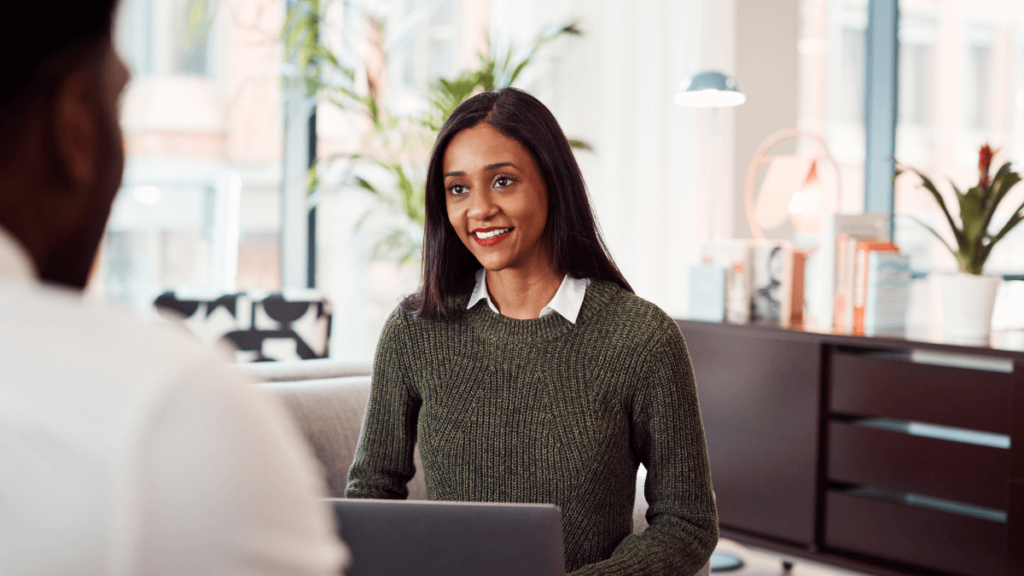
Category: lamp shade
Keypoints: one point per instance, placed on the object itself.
(709, 89)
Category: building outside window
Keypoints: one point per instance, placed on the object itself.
(203, 153)
(851, 88)
(915, 130)
(978, 79)
(957, 81)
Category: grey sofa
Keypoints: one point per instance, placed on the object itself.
(327, 399)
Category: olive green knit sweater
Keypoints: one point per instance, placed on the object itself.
(546, 411)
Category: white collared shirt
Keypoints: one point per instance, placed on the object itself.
(566, 302)
(129, 449)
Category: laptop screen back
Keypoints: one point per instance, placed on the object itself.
(423, 538)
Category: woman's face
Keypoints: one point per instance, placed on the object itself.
(497, 201)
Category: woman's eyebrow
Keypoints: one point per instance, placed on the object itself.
(488, 167)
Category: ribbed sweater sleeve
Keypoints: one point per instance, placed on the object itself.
(668, 435)
(383, 463)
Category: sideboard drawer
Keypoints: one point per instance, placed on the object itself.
(931, 539)
(867, 385)
(954, 471)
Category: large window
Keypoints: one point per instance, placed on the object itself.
(851, 83)
(917, 89)
(199, 207)
(959, 87)
(978, 78)
(833, 55)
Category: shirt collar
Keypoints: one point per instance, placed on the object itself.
(567, 300)
(15, 265)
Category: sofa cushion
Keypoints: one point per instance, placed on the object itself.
(329, 412)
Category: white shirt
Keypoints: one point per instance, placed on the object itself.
(566, 302)
(127, 449)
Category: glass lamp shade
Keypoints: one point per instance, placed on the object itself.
(709, 89)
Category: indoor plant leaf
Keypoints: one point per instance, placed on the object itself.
(930, 186)
(933, 231)
(977, 208)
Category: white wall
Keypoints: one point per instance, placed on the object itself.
(768, 72)
(649, 172)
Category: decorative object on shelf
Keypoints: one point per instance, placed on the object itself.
(969, 296)
(803, 189)
(793, 187)
(715, 90)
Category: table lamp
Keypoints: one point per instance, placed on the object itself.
(711, 89)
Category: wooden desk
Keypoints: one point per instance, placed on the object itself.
(813, 454)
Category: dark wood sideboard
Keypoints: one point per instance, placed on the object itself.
(813, 453)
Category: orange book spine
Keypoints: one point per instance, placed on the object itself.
(838, 315)
(860, 288)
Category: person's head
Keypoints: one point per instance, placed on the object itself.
(496, 141)
(61, 154)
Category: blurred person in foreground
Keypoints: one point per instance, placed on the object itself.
(124, 449)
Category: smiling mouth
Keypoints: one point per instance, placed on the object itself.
(492, 236)
(492, 233)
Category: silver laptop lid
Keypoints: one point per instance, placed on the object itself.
(424, 538)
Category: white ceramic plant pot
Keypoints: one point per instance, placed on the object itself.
(967, 301)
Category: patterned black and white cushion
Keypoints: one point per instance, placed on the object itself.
(261, 327)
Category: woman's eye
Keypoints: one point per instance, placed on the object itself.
(502, 181)
(456, 189)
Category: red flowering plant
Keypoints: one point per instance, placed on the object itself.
(977, 207)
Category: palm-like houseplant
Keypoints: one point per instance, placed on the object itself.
(969, 297)
(396, 145)
(974, 241)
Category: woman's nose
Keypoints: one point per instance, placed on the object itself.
(482, 205)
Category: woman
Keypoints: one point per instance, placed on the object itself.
(526, 367)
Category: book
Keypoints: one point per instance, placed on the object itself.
(707, 293)
(841, 290)
(734, 256)
(845, 280)
(799, 275)
(821, 269)
(861, 278)
(771, 283)
(887, 294)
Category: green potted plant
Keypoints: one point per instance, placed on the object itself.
(969, 295)
(395, 145)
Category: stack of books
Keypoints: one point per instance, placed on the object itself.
(872, 285)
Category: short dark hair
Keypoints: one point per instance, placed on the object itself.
(33, 32)
(576, 242)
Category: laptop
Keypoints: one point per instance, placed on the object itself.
(426, 538)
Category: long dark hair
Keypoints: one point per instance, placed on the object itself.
(579, 250)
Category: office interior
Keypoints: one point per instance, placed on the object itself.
(240, 180)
